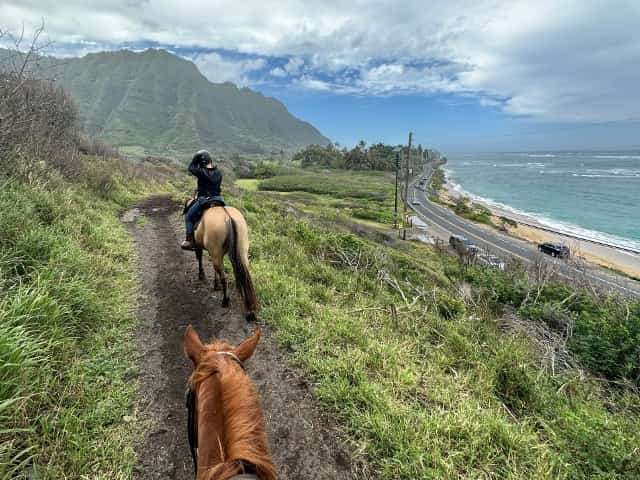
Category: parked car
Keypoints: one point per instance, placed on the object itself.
(463, 245)
(555, 249)
(455, 240)
(491, 261)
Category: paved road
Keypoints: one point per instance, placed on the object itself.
(443, 223)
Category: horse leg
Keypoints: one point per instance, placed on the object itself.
(218, 266)
(217, 285)
(201, 274)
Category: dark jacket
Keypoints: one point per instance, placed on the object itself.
(209, 179)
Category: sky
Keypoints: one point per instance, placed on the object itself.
(480, 75)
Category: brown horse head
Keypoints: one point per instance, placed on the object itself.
(229, 421)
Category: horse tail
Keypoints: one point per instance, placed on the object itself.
(244, 284)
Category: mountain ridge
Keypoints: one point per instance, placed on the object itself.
(157, 102)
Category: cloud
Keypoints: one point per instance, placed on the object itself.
(315, 84)
(566, 60)
(292, 68)
(278, 72)
(219, 69)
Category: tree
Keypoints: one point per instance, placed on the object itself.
(356, 159)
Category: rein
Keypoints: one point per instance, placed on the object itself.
(190, 401)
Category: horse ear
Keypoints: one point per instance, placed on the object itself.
(192, 345)
(246, 348)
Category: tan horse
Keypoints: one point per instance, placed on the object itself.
(223, 230)
(226, 424)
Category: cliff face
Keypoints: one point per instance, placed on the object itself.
(161, 102)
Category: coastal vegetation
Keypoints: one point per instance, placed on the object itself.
(602, 331)
(438, 369)
(471, 210)
(507, 222)
(437, 181)
(375, 157)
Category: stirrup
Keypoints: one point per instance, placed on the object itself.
(187, 245)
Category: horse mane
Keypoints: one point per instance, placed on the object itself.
(244, 437)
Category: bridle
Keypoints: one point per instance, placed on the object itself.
(190, 401)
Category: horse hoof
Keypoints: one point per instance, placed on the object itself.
(251, 317)
(225, 303)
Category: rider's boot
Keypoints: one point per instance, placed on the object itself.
(189, 243)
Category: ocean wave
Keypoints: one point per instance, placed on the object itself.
(624, 157)
(608, 173)
(535, 155)
(598, 175)
(473, 162)
(551, 223)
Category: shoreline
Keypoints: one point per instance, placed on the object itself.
(530, 229)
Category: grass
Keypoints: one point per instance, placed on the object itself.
(604, 331)
(66, 319)
(437, 179)
(250, 184)
(419, 375)
(368, 185)
(366, 196)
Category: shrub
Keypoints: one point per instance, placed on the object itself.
(449, 307)
(38, 122)
(553, 314)
(607, 340)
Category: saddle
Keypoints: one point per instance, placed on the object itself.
(208, 204)
(211, 203)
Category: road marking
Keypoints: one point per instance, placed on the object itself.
(510, 253)
(513, 254)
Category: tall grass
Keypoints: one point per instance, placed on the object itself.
(603, 331)
(418, 372)
(66, 285)
(66, 282)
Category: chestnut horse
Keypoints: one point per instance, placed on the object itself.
(223, 230)
(226, 423)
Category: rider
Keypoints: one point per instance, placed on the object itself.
(209, 181)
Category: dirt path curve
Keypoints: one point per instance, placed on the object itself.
(303, 444)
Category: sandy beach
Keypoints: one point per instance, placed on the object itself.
(532, 230)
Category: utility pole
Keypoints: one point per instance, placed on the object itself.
(407, 171)
(395, 197)
(406, 187)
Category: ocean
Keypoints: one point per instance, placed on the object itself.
(590, 194)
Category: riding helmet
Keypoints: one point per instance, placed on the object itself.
(203, 157)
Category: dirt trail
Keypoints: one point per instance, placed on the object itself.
(303, 443)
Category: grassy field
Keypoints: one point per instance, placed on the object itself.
(408, 351)
(250, 184)
(66, 318)
(364, 196)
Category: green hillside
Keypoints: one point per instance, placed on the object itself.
(161, 103)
